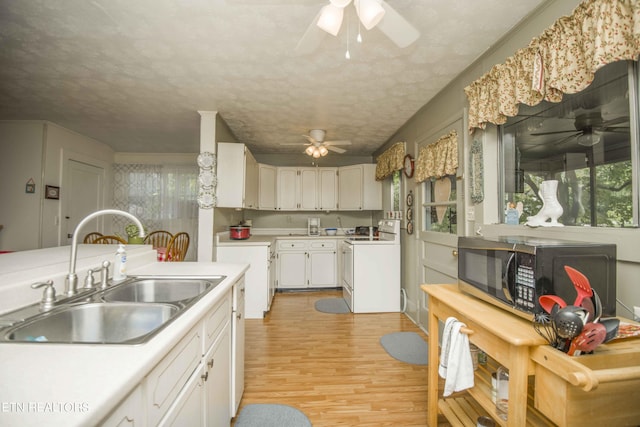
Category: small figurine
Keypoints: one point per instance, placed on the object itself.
(513, 214)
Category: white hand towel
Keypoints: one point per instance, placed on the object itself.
(456, 366)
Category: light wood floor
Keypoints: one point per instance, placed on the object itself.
(332, 366)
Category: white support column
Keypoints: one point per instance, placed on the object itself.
(205, 216)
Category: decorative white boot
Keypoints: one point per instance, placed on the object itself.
(551, 208)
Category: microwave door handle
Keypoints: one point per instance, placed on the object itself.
(505, 278)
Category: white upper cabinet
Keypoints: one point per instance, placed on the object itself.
(297, 189)
(358, 188)
(266, 187)
(237, 173)
(328, 189)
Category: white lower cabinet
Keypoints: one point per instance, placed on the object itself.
(217, 382)
(307, 264)
(258, 294)
(191, 386)
(130, 413)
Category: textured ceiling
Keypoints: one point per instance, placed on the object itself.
(133, 74)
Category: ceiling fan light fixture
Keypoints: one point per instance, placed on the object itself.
(310, 149)
(370, 12)
(323, 150)
(316, 153)
(588, 139)
(330, 19)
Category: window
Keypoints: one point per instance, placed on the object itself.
(395, 190)
(439, 208)
(585, 143)
(163, 197)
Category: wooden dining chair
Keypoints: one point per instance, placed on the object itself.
(178, 246)
(109, 240)
(158, 239)
(91, 237)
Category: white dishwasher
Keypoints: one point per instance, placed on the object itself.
(371, 270)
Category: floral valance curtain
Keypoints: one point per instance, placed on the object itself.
(563, 59)
(390, 161)
(438, 159)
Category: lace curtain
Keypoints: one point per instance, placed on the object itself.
(563, 59)
(163, 197)
(390, 161)
(438, 159)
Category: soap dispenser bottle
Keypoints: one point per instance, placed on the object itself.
(120, 265)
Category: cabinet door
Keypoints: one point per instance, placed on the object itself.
(237, 347)
(218, 382)
(266, 187)
(371, 189)
(129, 413)
(250, 181)
(322, 269)
(188, 409)
(328, 188)
(292, 269)
(308, 189)
(350, 187)
(231, 175)
(287, 187)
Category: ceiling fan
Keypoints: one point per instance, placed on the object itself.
(371, 13)
(317, 146)
(589, 128)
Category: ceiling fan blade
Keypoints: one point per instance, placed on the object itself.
(294, 143)
(398, 29)
(617, 130)
(336, 149)
(311, 38)
(338, 142)
(615, 121)
(310, 139)
(554, 132)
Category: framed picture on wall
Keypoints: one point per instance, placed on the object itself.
(51, 192)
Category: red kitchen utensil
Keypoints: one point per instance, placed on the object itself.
(548, 302)
(592, 335)
(581, 283)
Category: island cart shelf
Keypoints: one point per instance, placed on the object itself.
(546, 386)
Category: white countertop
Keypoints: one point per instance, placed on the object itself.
(45, 384)
(268, 237)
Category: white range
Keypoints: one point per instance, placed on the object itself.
(371, 270)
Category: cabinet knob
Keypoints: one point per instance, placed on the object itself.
(454, 253)
(239, 316)
(205, 376)
(210, 363)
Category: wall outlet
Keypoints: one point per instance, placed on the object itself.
(636, 313)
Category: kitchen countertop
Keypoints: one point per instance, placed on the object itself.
(268, 237)
(80, 384)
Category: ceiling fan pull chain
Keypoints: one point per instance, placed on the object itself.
(347, 55)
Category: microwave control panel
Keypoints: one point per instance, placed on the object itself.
(525, 288)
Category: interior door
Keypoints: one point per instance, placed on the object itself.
(83, 195)
(441, 221)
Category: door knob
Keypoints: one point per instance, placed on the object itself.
(454, 252)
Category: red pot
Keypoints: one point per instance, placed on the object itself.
(239, 232)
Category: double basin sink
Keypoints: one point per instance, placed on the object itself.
(131, 312)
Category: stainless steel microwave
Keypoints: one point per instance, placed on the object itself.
(513, 271)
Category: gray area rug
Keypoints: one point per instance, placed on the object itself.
(332, 305)
(407, 347)
(271, 415)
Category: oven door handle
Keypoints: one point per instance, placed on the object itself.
(506, 290)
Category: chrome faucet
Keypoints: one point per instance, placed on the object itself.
(71, 284)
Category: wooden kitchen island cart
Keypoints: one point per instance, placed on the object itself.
(546, 387)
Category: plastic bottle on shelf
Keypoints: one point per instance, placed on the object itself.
(120, 264)
(502, 393)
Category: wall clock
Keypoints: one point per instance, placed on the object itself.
(408, 166)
